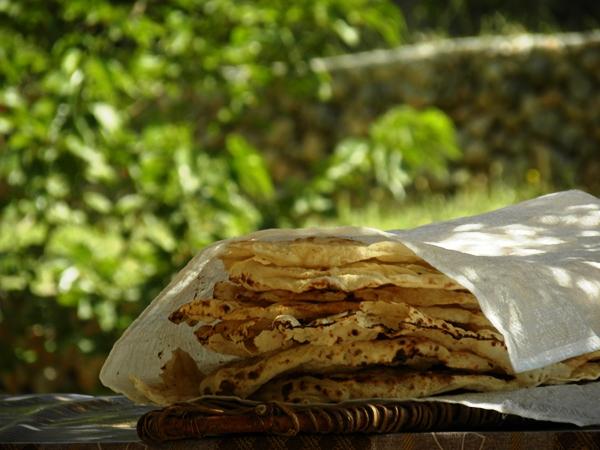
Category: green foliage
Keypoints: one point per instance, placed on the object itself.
(473, 17)
(476, 198)
(120, 157)
(122, 153)
(250, 169)
(425, 140)
(402, 144)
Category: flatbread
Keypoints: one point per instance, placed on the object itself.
(396, 383)
(180, 376)
(470, 320)
(579, 368)
(242, 378)
(317, 252)
(234, 330)
(209, 310)
(226, 290)
(375, 320)
(402, 384)
(255, 276)
(396, 316)
(419, 296)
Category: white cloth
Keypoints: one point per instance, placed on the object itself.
(534, 267)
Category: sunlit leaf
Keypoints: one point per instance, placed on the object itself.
(348, 33)
(130, 202)
(11, 97)
(107, 115)
(97, 202)
(45, 283)
(250, 168)
(67, 278)
(158, 232)
(71, 60)
(5, 125)
(13, 282)
(97, 166)
(20, 232)
(57, 185)
(426, 139)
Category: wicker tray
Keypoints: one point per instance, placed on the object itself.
(218, 416)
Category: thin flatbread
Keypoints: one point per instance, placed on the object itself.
(374, 321)
(402, 384)
(208, 310)
(242, 378)
(255, 276)
(470, 320)
(317, 252)
(396, 383)
(226, 290)
(418, 296)
(580, 368)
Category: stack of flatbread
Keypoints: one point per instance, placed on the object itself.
(329, 319)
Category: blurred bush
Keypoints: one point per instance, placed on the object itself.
(121, 157)
(134, 133)
(526, 107)
(472, 17)
(401, 145)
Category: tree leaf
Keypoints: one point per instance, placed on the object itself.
(108, 116)
(250, 168)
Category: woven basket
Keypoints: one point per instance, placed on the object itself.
(219, 416)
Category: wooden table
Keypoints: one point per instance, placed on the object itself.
(82, 422)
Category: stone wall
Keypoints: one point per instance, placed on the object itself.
(525, 105)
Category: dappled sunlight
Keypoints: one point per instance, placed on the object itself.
(468, 227)
(561, 276)
(510, 240)
(588, 207)
(535, 268)
(589, 287)
(576, 227)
